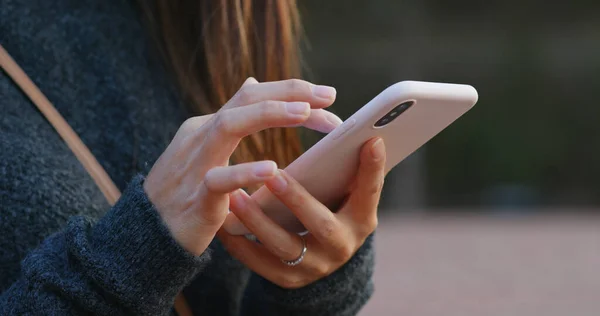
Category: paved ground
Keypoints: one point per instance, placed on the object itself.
(484, 266)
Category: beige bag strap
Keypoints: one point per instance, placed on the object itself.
(65, 131)
(83, 154)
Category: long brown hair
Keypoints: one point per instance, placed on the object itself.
(213, 46)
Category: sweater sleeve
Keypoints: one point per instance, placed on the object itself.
(126, 263)
(344, 292)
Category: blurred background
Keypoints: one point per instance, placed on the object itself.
(498, 214)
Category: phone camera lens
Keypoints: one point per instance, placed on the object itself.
(393, 114)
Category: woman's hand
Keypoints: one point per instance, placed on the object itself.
(333, 238)
(190, 182)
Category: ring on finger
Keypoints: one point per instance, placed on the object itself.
(298, 260)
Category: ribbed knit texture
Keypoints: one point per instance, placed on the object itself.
(127, 263)
(63, 250)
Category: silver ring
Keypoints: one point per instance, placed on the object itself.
(297, 261)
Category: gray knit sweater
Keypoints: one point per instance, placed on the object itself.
(63, 250)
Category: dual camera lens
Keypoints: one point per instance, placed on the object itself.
(393, 114)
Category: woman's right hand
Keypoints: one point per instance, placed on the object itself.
(190, 182)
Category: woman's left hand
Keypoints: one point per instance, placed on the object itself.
(333, 238)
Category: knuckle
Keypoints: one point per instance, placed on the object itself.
(368, 226)
(194, 123)
(296, 199)
(320, 270)
(328, 228)
(188, 124)
(372, 224)
(239, 178)
(344, 252)
(244, 95)
(222, 123)
(288, 281)
(267, 108)
(188, 127)
(375, 188)
(380, 182)
(299, 86)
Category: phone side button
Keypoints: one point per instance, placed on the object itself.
(346, 126)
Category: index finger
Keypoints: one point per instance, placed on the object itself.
(229, 126)
(281, 243)
(316, 217)
(290, 90)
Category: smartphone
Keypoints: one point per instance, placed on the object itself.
(406, 115)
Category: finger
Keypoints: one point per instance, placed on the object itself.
(322, 121)
(260, 260)
(250, 81)
(246, 120)
(316, 217)
(361, 206)
(229, 126)
(207, 209)
(286, 90)
(223, 180)
(219, 181)
(277, 240)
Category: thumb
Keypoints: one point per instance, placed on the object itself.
(362, 203)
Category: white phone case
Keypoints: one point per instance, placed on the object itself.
(327, 169)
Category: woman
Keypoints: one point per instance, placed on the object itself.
(110, 67)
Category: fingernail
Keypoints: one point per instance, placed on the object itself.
(377, 150)
(265, 169)
(333, 119)
(238, 199)
(324, 92)
(297, 108)
(278, 184)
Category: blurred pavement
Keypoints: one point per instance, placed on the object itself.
(487, 266)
